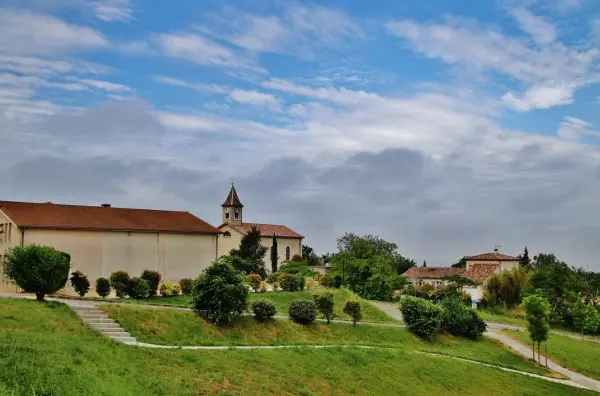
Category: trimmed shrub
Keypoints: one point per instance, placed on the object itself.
(186, 285)
(254, 281)
(80, 283)
(311, 284)
(263, 309)
(263, 287)
(302, 311)
(297, 268)
(324, 303)
(297, 257)
(169, 289)
(287, 282)
(138, 288)
(220, 292)
(37, 269)
(460, 320)
(102, 287)
(153, 279)
(119, 281)
(422, 317)
(352, 309)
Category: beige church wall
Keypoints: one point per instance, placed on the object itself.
(8, 239)
(187, 255)
(227, 243)
(129, 251)
(294, 244)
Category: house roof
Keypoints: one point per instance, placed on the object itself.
(266, 230)
(55, 216)
(432, 272)
(480, 272)
(232, 198)
(492, 257)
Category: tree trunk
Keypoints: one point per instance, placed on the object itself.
(354, 322)
(546, 352)
(533, 345)
(39, 296)
(328, 320)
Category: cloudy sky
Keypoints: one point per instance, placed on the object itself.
(446, 127)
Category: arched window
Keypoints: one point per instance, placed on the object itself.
(287, 253)
(227, 234)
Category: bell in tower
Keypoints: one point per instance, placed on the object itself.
(232, 208)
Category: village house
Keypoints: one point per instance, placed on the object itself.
(289, 242)
(479, 269)
(103, 239)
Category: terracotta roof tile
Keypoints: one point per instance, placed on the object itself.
(492, 257)
(55, 216)
(480, 272)
(232, 199)
(267, 230)
(432, 272)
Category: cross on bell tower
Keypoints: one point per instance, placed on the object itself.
(232, 208)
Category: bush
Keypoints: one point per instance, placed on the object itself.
(324, 303)
(382, 288)
(297, 257)
(153, 279)
(263, 287)
(119, 281)
(302, 311)
(422, 317)
(254, 281)
(352, 309)
(220, 292)
(186, 285)
(263, 309)
(460, 320)
(291, 283)
(297, 268)
(102, 287)
(450, 292)
(138, 288)
(80, 283)
(37, 269)
(311, 284)
(169, 289)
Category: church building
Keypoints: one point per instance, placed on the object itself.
(289, 242)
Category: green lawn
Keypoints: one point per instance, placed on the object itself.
(173, 327)
(46, 350)
(581, 356)
(282, 302)
(500, 315)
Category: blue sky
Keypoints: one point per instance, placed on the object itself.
(421, 121)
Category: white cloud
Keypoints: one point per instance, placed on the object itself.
(265, 34)
(190, 85)
(25, 32)
(552, 69)
(536, 26)
(113, 10)
(49, 67)
(255, 98)
(199, 49)
(105, 85)
(572, 128)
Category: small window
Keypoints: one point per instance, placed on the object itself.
(237, 213)
(227, 234)
(287, 253)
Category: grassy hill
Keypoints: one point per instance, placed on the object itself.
(46, 350)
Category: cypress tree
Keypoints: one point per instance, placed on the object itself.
(274, 256)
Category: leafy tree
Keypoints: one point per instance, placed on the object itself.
(524, 259)
(80, 283)
(424, 264)
(537, 313)
(591, 324)
(324, 303)
(274, 255)
(460, 320)
(352, 309)
(244, 265)
(505, 288)
(220, 292)
(153, 278)
(302, 311)
(579, 314)
(252, 252)
(102, 287)
(462, 263)
(37, 269)
(309, 255)
(422, 317)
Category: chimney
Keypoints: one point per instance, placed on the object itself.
(496, 250)
(106, 205)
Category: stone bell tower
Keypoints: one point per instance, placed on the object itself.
(232, 208)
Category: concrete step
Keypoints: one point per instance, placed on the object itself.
(84, 308)
(124, 339)
(92, 314)
(88, 313)
(104, 329)
(98, 320)
(114, 334)
(100, 326)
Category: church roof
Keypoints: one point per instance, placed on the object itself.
(76, 217)
(232, 199)
(266, 230)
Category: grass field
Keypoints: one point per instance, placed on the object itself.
(499, 315)
(282, 302)
(45, 350)
(578, 355)
(173, 327)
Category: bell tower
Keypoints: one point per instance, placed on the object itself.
(232, 208)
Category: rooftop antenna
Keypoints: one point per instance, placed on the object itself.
(496, 248)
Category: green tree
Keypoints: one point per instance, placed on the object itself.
(424, 264)
(253, 252)
(324, 303)
(524, 259)
(274, 255)
(462, 263)
(220, 292)
(537, 313)
(102, 287)
(309, 255)
(591, 324)
(352, 309)
(80, 283)
(579, 314)
(505, 288)
(37, 269)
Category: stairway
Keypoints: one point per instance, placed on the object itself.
(102, 323)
